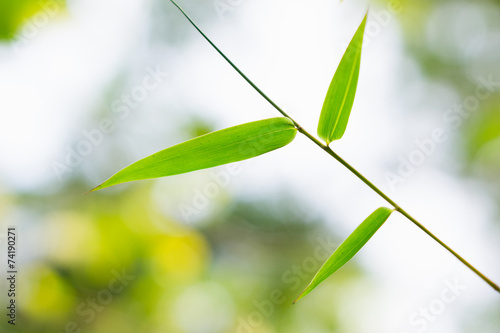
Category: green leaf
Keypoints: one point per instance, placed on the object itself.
(221, 147)
(340, 96)
(349, 247)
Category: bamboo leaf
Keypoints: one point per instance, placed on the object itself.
(220, 147)
(340, 96)
(349, 247)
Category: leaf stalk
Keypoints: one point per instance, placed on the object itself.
(329, 151)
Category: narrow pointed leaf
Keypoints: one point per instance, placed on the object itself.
(349, 247)
(221, 147)
(340, 96)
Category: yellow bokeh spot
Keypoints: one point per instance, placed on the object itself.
(179, 257)
(15, 14)
(75, 239)
(45, 295)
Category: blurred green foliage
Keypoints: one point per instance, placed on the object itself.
(15, 14)
(456, 45)
(243, 266)
(251, 259)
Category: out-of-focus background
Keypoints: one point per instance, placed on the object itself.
(87, 87)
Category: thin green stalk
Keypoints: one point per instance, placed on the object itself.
(233, 65)
(397, 207)
(328, 150)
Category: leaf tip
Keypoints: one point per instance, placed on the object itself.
(302, 294)
(97, 188)
(297, 299)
